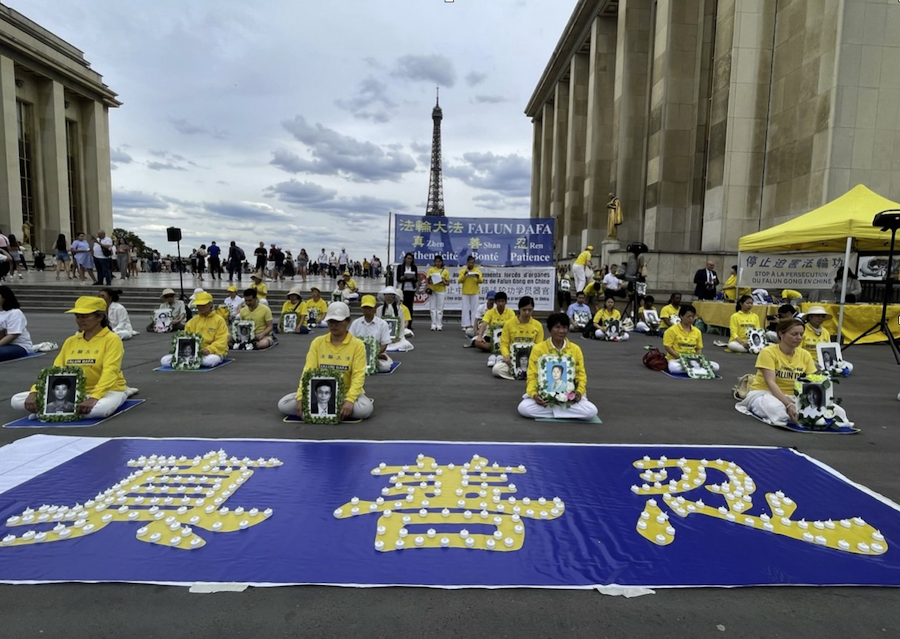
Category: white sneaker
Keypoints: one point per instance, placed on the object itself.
(491, 361)
(440, 328)
(433, 327)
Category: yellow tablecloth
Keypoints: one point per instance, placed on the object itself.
(719, 313)
(858, 318)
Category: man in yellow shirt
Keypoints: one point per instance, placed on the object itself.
(316, 307)
(497, 316)
(212, 327)
(578, 268)
(261, 316)
(524, 329)
(337, 350)
(470, 278)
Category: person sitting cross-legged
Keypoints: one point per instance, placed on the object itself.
(579, 313)
(176, 309)
(532, 404)
(337, 349)
(741, 320)
(523, 329)
(262, 319)
(392, 307)
(234, 302)
(607, 322)
(815, 333)
(646, 324)
(117, 315)
(497, 315)
(684, 339)
(370, 325)
(316, 306)
(212, 327)
(295, 304)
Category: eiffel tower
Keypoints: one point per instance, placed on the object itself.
(435, 204)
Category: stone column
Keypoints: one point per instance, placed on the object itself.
(537, 140)
(10, 186)
(558, 163)
(575, 152)
(52, 215)
(97, 170)
(598, 144)
(630, 113)
(545, 180)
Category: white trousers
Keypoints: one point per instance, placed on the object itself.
(384, 365)
(398, 346)
(436, 306)
(736, 347)
(208, 360)
(599, 334)
(469, 306)
(501, 370)
(764, 404)
(123, 334)
(581, 410)
(580, 278)
(676, 368)
(362, 407)
(103, 408)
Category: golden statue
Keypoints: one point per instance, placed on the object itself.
(26, 233)
(614, 217)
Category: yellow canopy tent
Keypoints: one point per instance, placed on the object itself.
(845, 223)
(828, 227)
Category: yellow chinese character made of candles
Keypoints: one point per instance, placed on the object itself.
(847, 535)
(173, 496)
(428, 494)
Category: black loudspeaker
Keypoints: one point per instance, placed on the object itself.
(888, 220)
(637, 248)
(173, 234)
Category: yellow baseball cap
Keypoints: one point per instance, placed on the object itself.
(232, 289)
(368, 300)
(88, 305)
(202, 299)
(590, 248)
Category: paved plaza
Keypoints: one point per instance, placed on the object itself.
(445, 392)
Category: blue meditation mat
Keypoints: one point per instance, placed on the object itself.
(24, 422)
(683, 375)
(797, 428)
(569, 420)
(293, 419)
(394, 366)
(169, 369)
(19, 359)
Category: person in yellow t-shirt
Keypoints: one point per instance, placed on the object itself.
(771, 395)
(316, 307)
(499, 315)
(438, 279)
(742, 320)
(523, 329)
(730, 289)
(295, 304)
(98, 352)
(578, 268)
(669, 316)
(338, 350)
(262, 291)
(684, 339)
(351, 286)
(212, 327)
(470, 278)
(533, 405)
(607, 322)
(261, 316)
(815, 333)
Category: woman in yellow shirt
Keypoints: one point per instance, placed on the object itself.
(815, 333)
(524, 329)
(730, 289)
(295, 304)
(470, 278)
(256, 281)
(740, 322)
(684, 339)
(438, 279)
(771, 396)
(98, 352)
(607, 322)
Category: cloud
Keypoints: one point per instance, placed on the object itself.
(164, 166)
(187, 128)
(253, 211)
(490, 99)
(436, 69)
(315, 197)
(370, 102)
(118, 156)
(137, 200)
(423, 152)
(342, 155)
(474, 78)
(509, 175)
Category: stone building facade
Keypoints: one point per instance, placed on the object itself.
(712, 119)
(54, 137)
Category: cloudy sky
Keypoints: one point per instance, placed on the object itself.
(304, 122)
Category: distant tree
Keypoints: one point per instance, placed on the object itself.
(131, 238)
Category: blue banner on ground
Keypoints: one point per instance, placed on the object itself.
(445, 515)
(492, 241)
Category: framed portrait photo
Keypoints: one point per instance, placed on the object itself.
(495, 331)
(162, 320)
(829, 356)
(612, 328)
(651, 317)
(641, 289)
(289, 322)
(519, 354)
(756, 340)
(243, 333)
(373, 348)
(323, 395)
(59, 391)
(187, 351)
(581, 318)
(556, 379)
(697, 366)
(312, 317)
(393, 324)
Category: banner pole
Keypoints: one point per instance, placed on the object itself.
(388, 258)
(840, 335)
